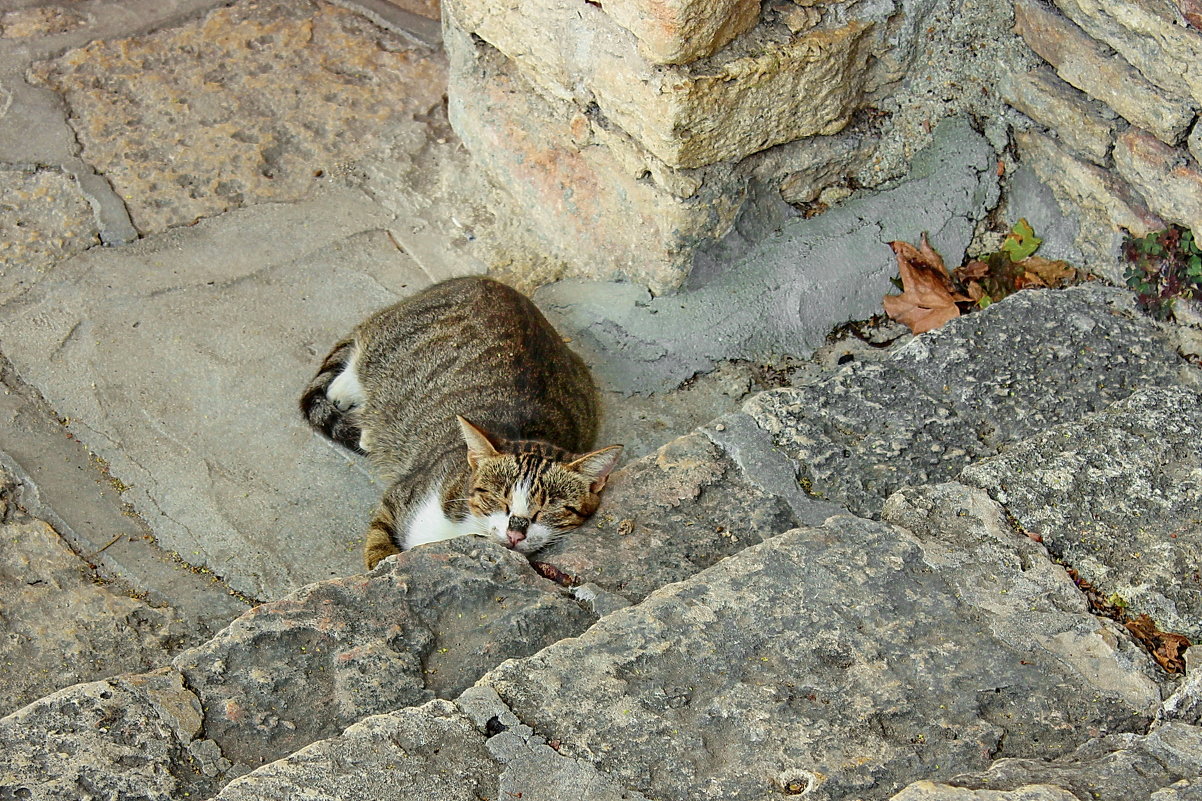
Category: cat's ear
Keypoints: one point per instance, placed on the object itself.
(479, 446)
(596, 466)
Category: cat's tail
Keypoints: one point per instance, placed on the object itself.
(323, 413)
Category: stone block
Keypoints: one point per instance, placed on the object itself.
(845, 659)
(426, 624)
(1079, 123)
(1103, 206)
(668, 516)
(1137, 536)
(1162, 765)
(1194, 143)
(931, 791)
(593, 210)
(431, 752)
(747, 98)
(124, 737)
(42, 584)
(1168, 179)
(252, 103)
(680, 31)
(1148, 35)
(1087, 65)
(945, 401)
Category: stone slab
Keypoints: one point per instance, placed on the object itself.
(57, 480)
(257, 102)
(1139, 534)
(1085, 64)
(933, 791)
(62, 626)
(46, 218)
(179, 361)
(839, 661)
(426, 624)
(432, 751)
(1149, 36)
(123, 737)
(668, 516)
(1165, 177)
(1078, 122)
(1162, 765)
(978, 384)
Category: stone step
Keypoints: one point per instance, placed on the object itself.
(944, 400)
(1138, 463)
(966, 391)
(288, 673)
(842, 661)
(430, 623)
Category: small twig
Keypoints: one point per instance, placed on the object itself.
(111, 542)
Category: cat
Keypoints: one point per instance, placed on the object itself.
(475, 413)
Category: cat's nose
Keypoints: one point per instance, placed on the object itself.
(517, 530)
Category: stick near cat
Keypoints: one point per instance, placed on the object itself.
(474, 411)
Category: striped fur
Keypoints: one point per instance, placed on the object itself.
(476, 349)
(321, 412)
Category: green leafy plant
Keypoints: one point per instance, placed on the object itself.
(1163, 266)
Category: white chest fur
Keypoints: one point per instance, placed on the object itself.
(429, 523)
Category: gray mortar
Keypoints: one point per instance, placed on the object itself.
(765, 305)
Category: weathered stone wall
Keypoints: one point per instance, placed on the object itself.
(1110, 122)
(639, 129)
(633, 133)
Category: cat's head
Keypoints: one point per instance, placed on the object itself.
(525, 495)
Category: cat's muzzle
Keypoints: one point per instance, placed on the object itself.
(517, 530)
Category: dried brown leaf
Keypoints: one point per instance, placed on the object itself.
(1167, 648)
(1052, 273)
(553, 573)
(1029, 279)
(928, 298)
(975, 270)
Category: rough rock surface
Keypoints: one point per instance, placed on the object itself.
(256, 102)
(45, 219)
(296, 670)
(432, 752)
(669, 515)
(1119, 767)
(1140, 533)
(841, 660)
(932, 791)
(62, 625)
(950, 398)
(134, 736)
(429, 623)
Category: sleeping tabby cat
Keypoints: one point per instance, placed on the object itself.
(474, 411)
